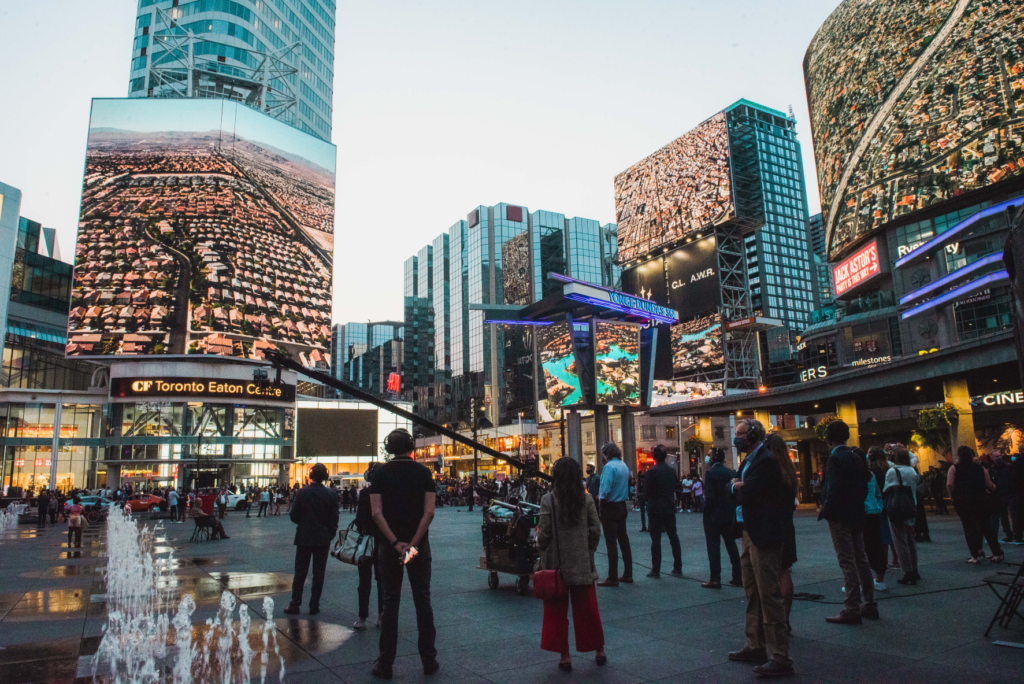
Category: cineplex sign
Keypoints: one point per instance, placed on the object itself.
(199, 387)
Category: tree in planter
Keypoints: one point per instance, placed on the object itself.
(933, 427)
(692, 444)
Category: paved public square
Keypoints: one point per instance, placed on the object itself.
(666, 630)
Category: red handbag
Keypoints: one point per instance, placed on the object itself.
(548, 584)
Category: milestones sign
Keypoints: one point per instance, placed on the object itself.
(149, 387)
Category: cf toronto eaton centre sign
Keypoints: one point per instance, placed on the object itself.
(199, 387)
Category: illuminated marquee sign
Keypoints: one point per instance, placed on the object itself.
(814, 373)
(199, 387)
(999, 398)
(858, 269)
(394, 383)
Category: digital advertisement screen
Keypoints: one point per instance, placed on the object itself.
(558, 361)
(515, 270)
(697, 346)
(647, 281)
(617, 351)
(680, 190)
(693, 285)
(858, 269)
(678, 391)
(336, 432)
(912, 104)
(206, 227)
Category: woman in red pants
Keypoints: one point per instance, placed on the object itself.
(567, 536)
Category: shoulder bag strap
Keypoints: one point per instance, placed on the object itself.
(558, 549)
(899, 475)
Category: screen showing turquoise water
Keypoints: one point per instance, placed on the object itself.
(562, 382)
(617, 348)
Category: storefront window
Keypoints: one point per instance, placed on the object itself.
(155, 419)
(868, 340)
(820, 353)
(984, 314)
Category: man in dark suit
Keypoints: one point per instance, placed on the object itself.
(843, 494)
(660, 493)
(765, 506)
(315, 513)
(719, 517)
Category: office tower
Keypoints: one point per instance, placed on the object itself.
(822, 270)
(276, 56)
(10, 208)
(500, 255)
(779, 261)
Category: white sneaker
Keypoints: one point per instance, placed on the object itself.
(880, 586)
(360, 625)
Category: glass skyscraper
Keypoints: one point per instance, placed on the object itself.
(779, 258)
(468, 267)
(273, 55)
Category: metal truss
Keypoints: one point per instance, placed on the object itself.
(190, 66)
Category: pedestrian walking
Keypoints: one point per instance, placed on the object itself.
(921, 532)
(969, 484)
(612, 509)
(687, 485)
(719, 520)
(765, 509)
(778, 447)
(660, 484)
(1001, 476)
(1016, 503)
(75, 514)
(641, 499)
(816, 490)
(276, 493)
(265, 502)
(222, 502)
(249, 496)
(43, 506)
(402, 501)
(315, 515)
(843, 493)
(172, 503)
(903, 531)
(51, 507)
(593, 482)
(698, 495)
(368, 571)
(877, 533)
(568, 533)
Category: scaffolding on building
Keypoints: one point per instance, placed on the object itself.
(191, 66)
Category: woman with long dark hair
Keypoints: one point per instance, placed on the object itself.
(877, 535)
(969, 483)
(567, 536)
(778, 447)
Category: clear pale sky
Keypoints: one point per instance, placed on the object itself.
(438, 107)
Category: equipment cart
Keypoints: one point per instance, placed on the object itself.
(510, 542)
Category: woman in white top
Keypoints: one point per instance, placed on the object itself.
(903, 531)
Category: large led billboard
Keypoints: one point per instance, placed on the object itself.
(697, 346)
(558, 361)
(617, 354)
(693, 285)
(206, 227)
(913, 103)
(680, 190)
(677, 391)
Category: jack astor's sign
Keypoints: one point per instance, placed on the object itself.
(199, 387)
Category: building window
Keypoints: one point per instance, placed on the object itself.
(670, 432)
(589, 437)
(649, 432)
(989, 313)
(868, 341)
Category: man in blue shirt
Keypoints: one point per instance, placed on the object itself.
(612, 508)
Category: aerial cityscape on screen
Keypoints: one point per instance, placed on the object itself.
(697, 346)
(202, 241)
(913, 103)
(557, 358)
(617, 348)
(678, 191)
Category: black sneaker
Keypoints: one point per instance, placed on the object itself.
(748, 655)
(773, 668)
(292, 609)
(736, 582)
(654, 573)
(676, 573)
(431, 666)
(382, 671)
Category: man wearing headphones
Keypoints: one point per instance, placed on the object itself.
(315, 514)
(761, 492)
(402, 501)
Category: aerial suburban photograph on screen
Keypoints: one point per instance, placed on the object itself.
(907, 118)
(697, 346)
(617, 350)
(679, 391)
(678, 191)
(198, 240)
(558, 360)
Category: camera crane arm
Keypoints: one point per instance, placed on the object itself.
(280, 361)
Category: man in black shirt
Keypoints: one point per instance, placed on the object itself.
(719, 520)
(315, 514)
(402, 500)
(660, 491)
